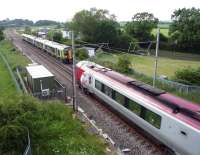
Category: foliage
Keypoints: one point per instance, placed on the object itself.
(12, 55)
(82, 54)
(185, 29)
(141, 26)
(45, 23)
(51, 126)
(1, 34)
(188, 76)
(57, 37)
(15, 23)
(27, 30)
(95, 25)
(123, 64)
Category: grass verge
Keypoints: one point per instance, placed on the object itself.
(52, 128)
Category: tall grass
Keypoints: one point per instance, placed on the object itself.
(52, 128)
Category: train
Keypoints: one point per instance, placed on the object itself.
(171, 120)
(60, 51)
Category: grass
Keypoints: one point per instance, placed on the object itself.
(14, 57)
(52, 127)
(166, 65)
(164, 31)
(6, 84)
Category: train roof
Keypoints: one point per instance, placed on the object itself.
(47, 42)
(183, 109)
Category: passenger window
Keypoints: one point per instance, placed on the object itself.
(153, 118)
(108, 91)
(134, 107)
(98, 85)
(119, 98)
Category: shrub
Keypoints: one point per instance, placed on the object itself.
(52, 128)
(123, 64)
(82, 54)
(188, 76)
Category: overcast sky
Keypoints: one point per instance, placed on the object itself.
(63, 10)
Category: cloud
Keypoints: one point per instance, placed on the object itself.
(62, 10)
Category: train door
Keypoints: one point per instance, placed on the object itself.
(87, 82)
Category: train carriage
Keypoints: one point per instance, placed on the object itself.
(60, 51)
(173, 121)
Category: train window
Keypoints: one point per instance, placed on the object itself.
(133, 106)
(153, 118)
(98, 85)
(119, 98)
(108, 91)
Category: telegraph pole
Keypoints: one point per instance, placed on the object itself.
(156, 57)
(75, 107)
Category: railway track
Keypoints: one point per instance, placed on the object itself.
(124, 136)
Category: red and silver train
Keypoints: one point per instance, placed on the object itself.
(173, 121)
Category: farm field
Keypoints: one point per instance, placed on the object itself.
(166, 64)
(164, 31)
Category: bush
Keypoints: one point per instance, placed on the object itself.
(52, 128)
(82, 54)
(123, 64)
(1, 35)
(188, 76)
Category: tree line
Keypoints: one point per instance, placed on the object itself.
(99, 26)
(25, 22)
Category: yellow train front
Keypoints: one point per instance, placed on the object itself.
(67, 55)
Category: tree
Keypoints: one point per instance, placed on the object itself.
(57, 37)
(123, 64)
(1, 34)
(82, 54)
(27, 30)
(141, 26)
(46, 22)
(95, 25)
(185, 29)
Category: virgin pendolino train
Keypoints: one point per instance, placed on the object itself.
(173, 121)
(60, 51)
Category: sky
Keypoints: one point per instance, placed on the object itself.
(64, 10)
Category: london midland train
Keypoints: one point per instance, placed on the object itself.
(173, 121)
(60, 51)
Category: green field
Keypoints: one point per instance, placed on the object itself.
(166, 65)
(164, 31)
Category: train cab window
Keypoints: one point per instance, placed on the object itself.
(153, 118)
(108, 91)
(119, 98)
(90, 80)
(134, 107)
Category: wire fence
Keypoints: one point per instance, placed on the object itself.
(28, 147)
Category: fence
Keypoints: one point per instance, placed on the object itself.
(177, 86)
(28, 147)
(58, 93)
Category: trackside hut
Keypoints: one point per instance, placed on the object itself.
(40, 79)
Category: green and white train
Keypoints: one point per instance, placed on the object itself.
(60, 51)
